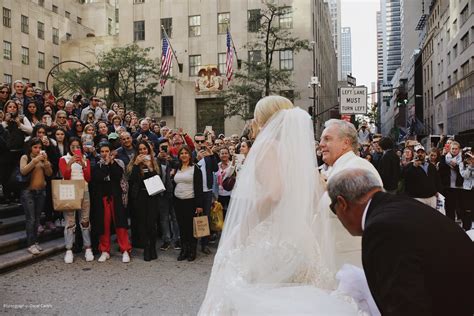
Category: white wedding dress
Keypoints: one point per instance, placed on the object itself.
(269, 259)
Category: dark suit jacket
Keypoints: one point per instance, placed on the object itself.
(417, 261)
(211, 167)
(389, 170)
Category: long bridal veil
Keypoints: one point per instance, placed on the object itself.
(269, 258)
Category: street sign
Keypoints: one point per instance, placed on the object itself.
(351, 81)
(353, 100)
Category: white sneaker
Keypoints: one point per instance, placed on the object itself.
(33, 250)
(103, 257)
(125, 257)
(89, 255)
(38, 247)
(69, 257)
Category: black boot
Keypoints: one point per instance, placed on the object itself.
(153, 254)
(192, 252)
(184, 251)
(147, 253)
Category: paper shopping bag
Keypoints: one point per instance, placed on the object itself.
(216, 217)
(200, 226)
(154, 185)
(67, 194)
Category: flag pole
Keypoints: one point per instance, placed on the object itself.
(180, 66)
(233, 46)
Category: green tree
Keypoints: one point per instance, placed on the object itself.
(131, 76)
(259, 77)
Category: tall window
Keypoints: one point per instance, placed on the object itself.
(286, 60)
(79, 20)
(465, 69)
(455, 51)
(465, 41)
(168, 26)
(223, 22)
(167, 106)
(286, 18)
(40, 30)
(109, 26)
(139, 31)
(41, 60)
(67, 14)
(253, 20)
(41, 85)
(55, 60)
(68, 36)
(24, 24)
(41, 3)
(138, 1)
(7, 79)
(464, 14)
(55, 8)
(7, 17)
(254, 56)
(194, 25)
(25, 55)
(55, 36)
(7, 50)
(221, 58)
(194, 64)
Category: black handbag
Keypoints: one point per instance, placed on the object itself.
(19, 181)
(229, 182)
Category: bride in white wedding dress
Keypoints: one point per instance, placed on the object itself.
(269, 259)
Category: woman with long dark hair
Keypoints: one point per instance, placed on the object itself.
(75, 166)
(36, 165)
(188, 202)
(108, 203)
(144, 208)
(32, 113)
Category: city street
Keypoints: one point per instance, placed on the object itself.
(160, 287)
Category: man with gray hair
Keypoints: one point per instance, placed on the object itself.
(416, 261)
(338, 144)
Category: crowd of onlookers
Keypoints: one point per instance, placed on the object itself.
(112, 150)
(446, 171)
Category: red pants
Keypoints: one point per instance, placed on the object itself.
(122, 233)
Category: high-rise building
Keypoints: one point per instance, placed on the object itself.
(335, 13)
(380, 59)
(346, 51)
(393, 37)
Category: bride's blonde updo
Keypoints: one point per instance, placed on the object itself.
(268, 106)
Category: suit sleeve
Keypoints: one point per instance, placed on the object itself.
(395, 273)
(197, 186)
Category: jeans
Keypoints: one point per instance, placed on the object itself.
(164, 218)
(207, 204)
(33, 203)
(174, 224)
(70, 218)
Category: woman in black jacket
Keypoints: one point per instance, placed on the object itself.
(188, 194)
(106, 176)
(144, 208)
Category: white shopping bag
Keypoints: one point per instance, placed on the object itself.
(440, 201)
(154, 185)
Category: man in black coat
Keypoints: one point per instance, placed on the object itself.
(422, 181)
(389, 165)
(417, 261)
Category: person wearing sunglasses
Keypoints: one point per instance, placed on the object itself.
(416, 260)
(95, 108)
(207, 162)
(4, 95)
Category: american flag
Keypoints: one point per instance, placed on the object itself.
(166, 58)
(229, 57)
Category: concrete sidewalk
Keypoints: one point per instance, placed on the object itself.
(161, 287)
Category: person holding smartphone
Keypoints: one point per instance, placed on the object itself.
(207, 163)
(36, 164)
(75, 166)
(144, 207)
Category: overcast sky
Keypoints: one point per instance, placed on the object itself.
(360, 16)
